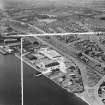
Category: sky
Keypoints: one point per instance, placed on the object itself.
(59, 2)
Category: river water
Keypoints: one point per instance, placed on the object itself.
(10, 88)
(37, 90)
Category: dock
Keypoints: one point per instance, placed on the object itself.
(2, 51)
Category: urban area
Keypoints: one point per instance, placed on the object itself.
(76, 62)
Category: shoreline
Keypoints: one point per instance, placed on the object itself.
(29, 64)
